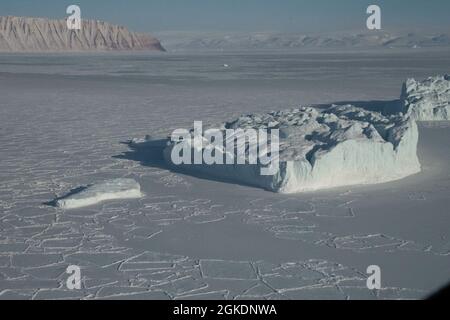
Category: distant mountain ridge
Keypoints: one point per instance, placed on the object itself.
(266, 40)
(25, 34)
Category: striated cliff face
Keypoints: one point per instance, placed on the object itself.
(22, 34)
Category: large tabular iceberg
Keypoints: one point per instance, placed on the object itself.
(108, 190)
(427, 100)
(324, 148)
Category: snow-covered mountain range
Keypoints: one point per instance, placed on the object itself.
(285, 41)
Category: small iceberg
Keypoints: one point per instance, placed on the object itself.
(108, 190)
(427, 100)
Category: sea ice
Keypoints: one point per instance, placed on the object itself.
(108, 190)
(324, 148)
(427, 100)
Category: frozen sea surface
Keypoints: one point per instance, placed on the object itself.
(62, 121)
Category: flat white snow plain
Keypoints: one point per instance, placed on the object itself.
(319, 149)
(62, 119)
(107, 190)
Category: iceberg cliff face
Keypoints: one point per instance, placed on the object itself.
(427, 100)
(339, 146)
(20, 34)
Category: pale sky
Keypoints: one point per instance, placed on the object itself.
(244, 15)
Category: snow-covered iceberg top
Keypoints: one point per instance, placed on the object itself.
(342, 145)
(427, 100)
(108, 190)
